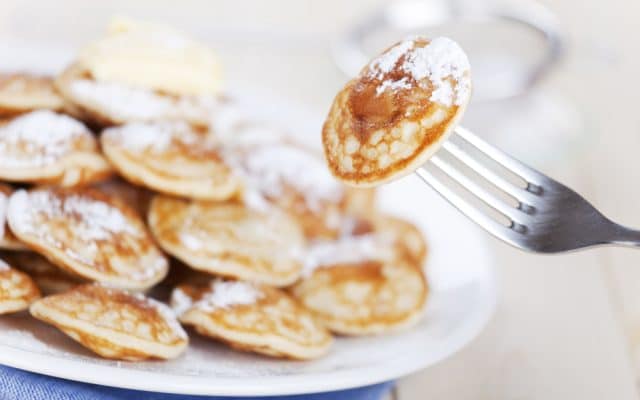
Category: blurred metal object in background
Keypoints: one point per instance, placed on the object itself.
(512, 45)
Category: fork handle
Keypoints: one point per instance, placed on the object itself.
(623, 236)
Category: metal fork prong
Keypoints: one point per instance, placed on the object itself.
(525, 199)
(492, 226)
(525, 172)
(510, 212)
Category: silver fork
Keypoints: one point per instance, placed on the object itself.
(542, 215)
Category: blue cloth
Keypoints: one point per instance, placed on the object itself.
(16, 384)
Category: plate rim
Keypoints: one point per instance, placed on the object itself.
(315, 382)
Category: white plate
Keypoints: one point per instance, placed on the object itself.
(462, 298)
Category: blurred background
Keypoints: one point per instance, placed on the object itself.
(556, 85)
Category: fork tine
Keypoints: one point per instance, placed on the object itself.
(525, 198)
(500, 231)
(525, 172)
(516, 216)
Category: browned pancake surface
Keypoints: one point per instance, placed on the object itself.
(388, 119)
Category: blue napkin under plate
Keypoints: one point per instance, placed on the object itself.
(16, 384)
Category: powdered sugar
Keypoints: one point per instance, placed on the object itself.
(122, 102)
(180, 301)
(127, 104)
(96, 220)
(346, 250)
(38, 138)
(269, 169)
(190, 241)
(442, 62)
(225, 294)
(387, 61)
(139, 136)
(4, 266)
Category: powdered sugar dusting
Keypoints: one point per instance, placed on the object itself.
(95, 220)
(139, 136)
(190, 241)
(442, 61)
(180, 301)
(127, 104)
(387, 61)
(38, 138)
(226, 294)
(346, 250)
(122, 102)
(4, 266)
(269, 169)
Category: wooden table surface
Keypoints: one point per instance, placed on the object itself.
(568, 326)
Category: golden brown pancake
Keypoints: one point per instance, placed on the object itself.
(8, 240)
(172, 158)
(396, 113)
(88, 233)
(17, 290)
(113, 323)
(285, 174)
(369, 282)
(50, 278)
(253, 318)
(114, 103)
(229, 239)
(21, 93)
(46, 147)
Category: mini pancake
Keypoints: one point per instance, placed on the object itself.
(170, 157)
(17, 290)
(397, 112)
(88, 233)
(46, 147)
(114, 103)
(289, 176)
(369, 283)
(113, 323)
(229, 239)
(21, 93)
(252, 318)
(8, 241)
(47, 276)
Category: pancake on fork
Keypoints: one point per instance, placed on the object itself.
(287, 175)
(251, 317)
(397, 112)
(88, 233)
(8, 240)
(49, 278)
(170, 157)
(367, 283)
(17, 289)
(113, 323)
(21, 93)
(229, 239)
(45, 147)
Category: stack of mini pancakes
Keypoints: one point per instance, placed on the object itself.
(128, 211)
